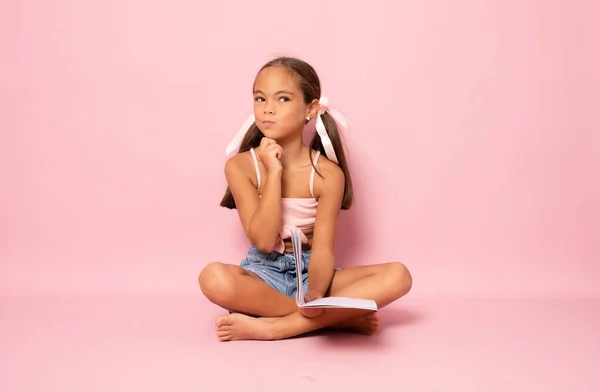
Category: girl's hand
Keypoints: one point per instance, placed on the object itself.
(269, 153)
(311, 312)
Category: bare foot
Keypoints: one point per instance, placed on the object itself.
(367, 324)
(238, 326)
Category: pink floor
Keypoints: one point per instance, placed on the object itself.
(168, 344)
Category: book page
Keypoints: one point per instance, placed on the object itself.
(297, 247)
(328, 302)
(341, 302)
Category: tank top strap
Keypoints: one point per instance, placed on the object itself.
(312, 173)
(256, 167)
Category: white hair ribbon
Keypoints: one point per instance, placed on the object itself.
(325, 140)
(237, 139)
(320, 128)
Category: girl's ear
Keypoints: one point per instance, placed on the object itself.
(313, 108)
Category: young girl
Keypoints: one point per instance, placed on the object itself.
(275, 182)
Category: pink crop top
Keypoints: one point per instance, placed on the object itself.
(295, 211)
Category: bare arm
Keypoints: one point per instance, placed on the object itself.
(331, 192)
(263, 229)
(260, 216)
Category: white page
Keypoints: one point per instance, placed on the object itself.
(342, 302)
(328, 302)
(296, 245)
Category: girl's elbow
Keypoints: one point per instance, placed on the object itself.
(265, 246)
(262, 242)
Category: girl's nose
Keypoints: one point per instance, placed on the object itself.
(268, 109)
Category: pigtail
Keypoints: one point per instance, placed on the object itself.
(251, 139)
(335, 136)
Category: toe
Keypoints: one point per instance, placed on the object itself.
(225, 338)
(224, 335)
(221, 321)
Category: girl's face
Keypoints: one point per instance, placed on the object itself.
(279, 107)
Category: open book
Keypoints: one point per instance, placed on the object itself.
(328, 302)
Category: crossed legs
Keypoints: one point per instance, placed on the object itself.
(238, 290)
(235, 289)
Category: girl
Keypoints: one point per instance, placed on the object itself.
(274, 182)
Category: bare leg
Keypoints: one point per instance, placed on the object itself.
(399, 281)
(383, 283)
(233, 288)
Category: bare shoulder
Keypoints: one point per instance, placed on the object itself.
(329, 188)
(331, 180)
(239, 167)
(241, 181)
(236, 162)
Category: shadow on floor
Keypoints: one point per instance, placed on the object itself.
(391, 317)
(392, 321)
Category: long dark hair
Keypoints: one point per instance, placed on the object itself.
(311, 88)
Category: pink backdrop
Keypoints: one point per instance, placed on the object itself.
(475, 139)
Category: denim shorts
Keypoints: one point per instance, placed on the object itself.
(276, 269)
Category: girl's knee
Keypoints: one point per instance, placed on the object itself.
(216, 281)
(400, 278)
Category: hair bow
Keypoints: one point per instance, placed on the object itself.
(320, 128)
(337, 116)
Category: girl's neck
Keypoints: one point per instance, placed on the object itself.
(293, 150)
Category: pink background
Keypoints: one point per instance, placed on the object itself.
(474, 141)
(475, 147)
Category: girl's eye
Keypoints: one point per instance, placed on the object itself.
(282, 99)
